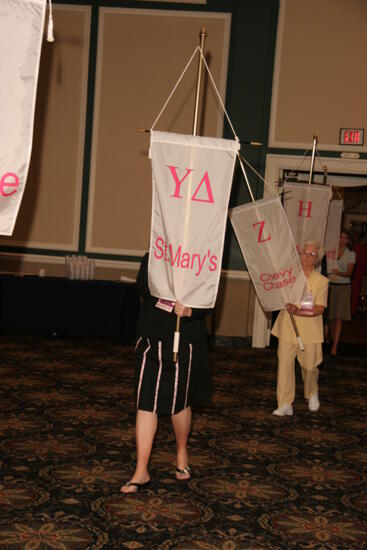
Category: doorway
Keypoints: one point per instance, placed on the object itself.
(349, 182)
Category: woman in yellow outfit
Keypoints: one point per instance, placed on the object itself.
(308, 317)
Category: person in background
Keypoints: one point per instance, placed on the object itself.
(340, 290)
(360, 249)
(163, 386)
(308, 318)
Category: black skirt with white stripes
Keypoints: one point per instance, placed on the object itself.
(165, 387)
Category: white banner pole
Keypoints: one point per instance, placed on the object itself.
(203, 34)
(312, 158)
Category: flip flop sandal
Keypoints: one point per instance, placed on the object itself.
(184, 471)
(139, 487)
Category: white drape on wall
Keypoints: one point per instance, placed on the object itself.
(21, 33)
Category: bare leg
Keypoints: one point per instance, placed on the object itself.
(332, 330)
(182, 425)
(145, 428)
(337, 330)
(326, 331)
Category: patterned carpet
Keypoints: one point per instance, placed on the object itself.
(261, 482)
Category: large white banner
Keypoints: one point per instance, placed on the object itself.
(271, 257)
(306, 207)
(192, 178)
(21, 33)
(332, 233)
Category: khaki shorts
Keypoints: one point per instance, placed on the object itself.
(339, 301)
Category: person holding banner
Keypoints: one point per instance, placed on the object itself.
(340, 290)
(162, 386)
(308, 318)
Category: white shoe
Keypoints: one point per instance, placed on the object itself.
(284, 410)
(314, 403)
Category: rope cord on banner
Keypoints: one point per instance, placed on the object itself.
(174, 89)
(319, 158)
(299, 166)
(220, 101)
(266, 185)
(330, 179)
(240, 157)
(215, 88)
(50, 27)
(218, 94)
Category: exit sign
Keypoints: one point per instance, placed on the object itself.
(351, 136)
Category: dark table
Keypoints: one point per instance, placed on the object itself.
(60, 305)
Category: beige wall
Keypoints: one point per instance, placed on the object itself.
(320, 80)
(50, 210)
(234, 310)
(137, 68)
(319, 86)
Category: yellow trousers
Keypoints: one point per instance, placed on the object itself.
(309, 359)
